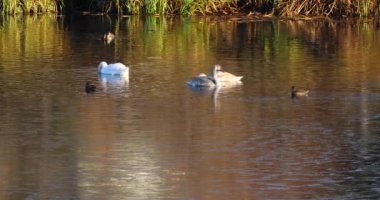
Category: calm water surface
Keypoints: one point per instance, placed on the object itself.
(155, 138)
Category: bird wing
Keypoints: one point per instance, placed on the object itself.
(115, 68)
(228, 77)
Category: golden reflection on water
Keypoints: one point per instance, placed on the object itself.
(152, 137)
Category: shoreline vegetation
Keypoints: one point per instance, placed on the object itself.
(267, 8)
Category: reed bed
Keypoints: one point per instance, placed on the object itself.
(329, 8)
(12, 7)
(287, 8)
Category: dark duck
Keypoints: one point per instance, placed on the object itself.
(90, 88)
(298, 93)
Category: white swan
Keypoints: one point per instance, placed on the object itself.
(114, 82)
(218, 78)
(226, 78)
(113, 69)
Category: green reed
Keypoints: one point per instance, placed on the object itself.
(155, 6)
(8, 7)
(192, 7)
(133, 6)
(364, 8)
(30, 6)
(290, 8)
(186, 7)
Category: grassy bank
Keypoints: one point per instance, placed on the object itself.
(287, 8)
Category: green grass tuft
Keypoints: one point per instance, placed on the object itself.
(12, 7)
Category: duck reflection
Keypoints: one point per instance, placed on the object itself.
(114, 83)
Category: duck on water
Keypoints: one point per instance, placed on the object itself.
(294, 92)
(108, 37)
(89, 88)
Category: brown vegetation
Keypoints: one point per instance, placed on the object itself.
(287, 8)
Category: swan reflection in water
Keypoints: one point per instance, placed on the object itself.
(113, 76)
(114, 83)
(215, 93)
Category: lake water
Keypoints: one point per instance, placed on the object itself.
(155, 138)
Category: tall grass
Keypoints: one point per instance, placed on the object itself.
(133, 6)
(9, 7)
(289, 8)
(330, 8)
(30, 6)
(155, 6)
(186, 7)
(366, 7)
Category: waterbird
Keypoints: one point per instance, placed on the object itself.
(226, 78)
(297, 93)
(108, 37)
(90, 88)
(202, 80)
(217, 78)
(113, 69)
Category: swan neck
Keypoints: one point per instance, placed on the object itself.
(215, 76)
(101, 65)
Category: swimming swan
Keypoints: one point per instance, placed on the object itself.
(218, 78)
(226, 78)
(113, 69)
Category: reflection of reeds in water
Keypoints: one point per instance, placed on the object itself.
(189, 41)
(200, 44)
(29, 36)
